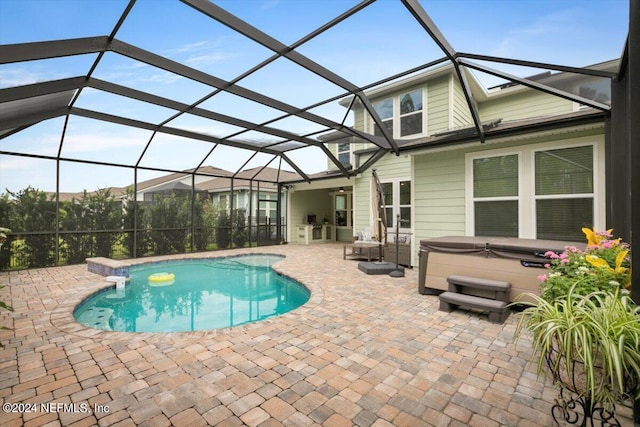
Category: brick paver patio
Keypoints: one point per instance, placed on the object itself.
(365, 350)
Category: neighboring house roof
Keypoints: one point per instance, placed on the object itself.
(172, 185)
(69, 197)
(220, 181)
(205, 170)
(65, 197)
(242, 180)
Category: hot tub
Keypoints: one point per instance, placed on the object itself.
(518, 261)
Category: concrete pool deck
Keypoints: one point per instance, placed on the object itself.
(365, 350)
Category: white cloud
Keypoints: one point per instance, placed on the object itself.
(205, 52)
(270, 4)
(549, 38)
(208, 59)
(18, 77)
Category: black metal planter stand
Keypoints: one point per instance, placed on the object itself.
(581, 410)
(576, 408)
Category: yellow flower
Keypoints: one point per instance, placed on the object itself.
(598, 262)
(593, 238)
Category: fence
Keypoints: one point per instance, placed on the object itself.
(48, 249)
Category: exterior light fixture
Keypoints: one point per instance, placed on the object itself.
(341, 190)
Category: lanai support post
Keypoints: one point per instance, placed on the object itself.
(623, 152)
(633, 142)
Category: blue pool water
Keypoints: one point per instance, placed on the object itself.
(205, 294)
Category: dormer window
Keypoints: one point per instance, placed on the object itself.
(405, 109)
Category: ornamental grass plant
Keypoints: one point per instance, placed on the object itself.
(590, 343)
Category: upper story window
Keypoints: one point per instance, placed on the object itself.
(344, 153)
(593, 88)
(411, 113)
(384, 109)
(401, 115)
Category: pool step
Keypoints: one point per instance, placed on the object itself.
(96, 317)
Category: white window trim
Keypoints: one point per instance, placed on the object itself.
(369, 122)
(599, 185)
(349, 209)
(395, 202)
(470, 199)
(350, 151)
(526, 183)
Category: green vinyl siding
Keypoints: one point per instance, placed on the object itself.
(333, 148)
(344, 234)
(523, 105)
(461, 113)
(392, 166)
(362, 158)
(358, 118)
(439, 194)
(437, 105)
(361, 201)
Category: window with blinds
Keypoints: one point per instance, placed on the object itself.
(564, 192)
(495, 195)
(544, 194)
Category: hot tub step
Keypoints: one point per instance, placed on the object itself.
(498, 310)
(479, 287)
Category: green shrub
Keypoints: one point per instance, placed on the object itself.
(240, 228)
(34, 212)
(223, 229)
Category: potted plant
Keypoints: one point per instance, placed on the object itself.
(586, 328)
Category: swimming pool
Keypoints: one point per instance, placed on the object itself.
(203, 294)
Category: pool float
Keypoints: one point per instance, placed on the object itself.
(162, 279)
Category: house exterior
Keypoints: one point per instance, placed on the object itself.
(253, 189)
(540, 173)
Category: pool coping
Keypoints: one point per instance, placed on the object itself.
(62, 316)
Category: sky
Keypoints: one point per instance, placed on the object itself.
(377, 42)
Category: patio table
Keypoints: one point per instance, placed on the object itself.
(362, 250)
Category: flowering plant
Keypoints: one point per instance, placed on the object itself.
(602, 266)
